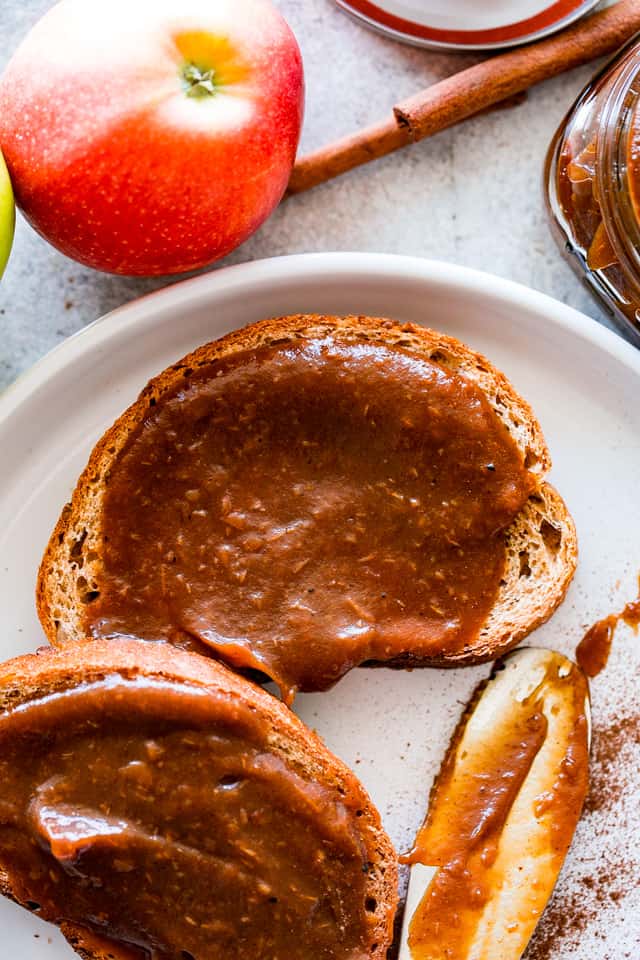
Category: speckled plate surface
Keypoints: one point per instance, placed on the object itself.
(391, 727)
(467, 24)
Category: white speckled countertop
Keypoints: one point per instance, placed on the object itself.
(472, 195)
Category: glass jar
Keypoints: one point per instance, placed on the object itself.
(593, 183)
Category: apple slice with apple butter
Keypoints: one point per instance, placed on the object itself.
(502, 813)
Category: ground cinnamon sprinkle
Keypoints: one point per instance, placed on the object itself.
(596, 884)
(572, 910)
(611, 753)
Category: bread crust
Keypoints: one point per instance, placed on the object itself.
(48, 671)
(524, 600)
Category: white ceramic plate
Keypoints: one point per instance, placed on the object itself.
(467, 24)
(583, 382)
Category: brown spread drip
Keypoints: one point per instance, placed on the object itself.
(157, 816)
(592, 653)
(469, 808)
(303, 508)
(633, 162)
(578, 192)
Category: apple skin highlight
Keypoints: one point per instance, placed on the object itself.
(153, 137)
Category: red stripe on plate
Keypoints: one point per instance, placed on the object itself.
(510, 31)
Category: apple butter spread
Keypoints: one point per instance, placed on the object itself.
(592, 653)
(304, 507)
(155, 814)
(466, 834)
(594, 185)
(633, 160)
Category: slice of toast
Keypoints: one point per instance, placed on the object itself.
(540, 543)
(26, 680)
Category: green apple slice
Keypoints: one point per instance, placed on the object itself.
(7, 215)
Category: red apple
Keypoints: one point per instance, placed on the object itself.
(152, 136)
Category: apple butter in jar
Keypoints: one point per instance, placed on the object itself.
(593, 181)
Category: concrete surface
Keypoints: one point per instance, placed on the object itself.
(472, 195)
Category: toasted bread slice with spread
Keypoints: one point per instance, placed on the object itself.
(310, 493)
(154, 802)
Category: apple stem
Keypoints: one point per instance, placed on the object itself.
(198, 82)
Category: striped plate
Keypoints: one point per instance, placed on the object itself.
(467, 24)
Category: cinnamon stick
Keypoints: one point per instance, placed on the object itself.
(471, 91)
